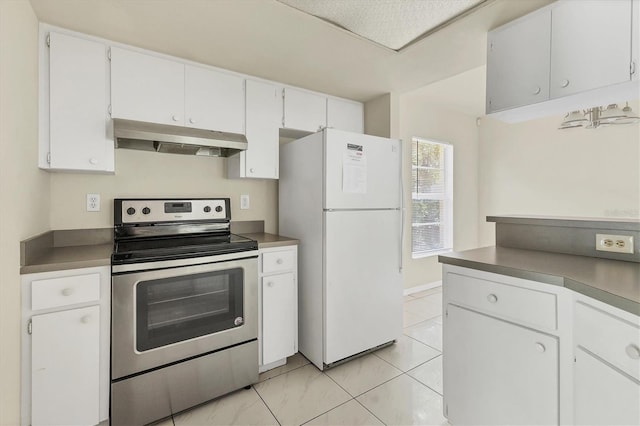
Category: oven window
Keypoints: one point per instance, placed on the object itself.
(171, 310)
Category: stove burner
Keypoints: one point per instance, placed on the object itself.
(149, 230)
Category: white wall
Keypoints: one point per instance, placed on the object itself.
(24, 189)
(377, 116)
(533, 168)
(418, 117)
(150, 174)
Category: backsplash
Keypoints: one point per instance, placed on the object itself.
(143, 174)
(565, 235)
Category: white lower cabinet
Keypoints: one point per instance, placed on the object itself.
(278, 315)
(606, 364)
(278, 328)
(65, 366)
(497, 372)
(603, 395)
(524, 352)
(65, 347)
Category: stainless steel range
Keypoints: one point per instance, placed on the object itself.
(184, 307)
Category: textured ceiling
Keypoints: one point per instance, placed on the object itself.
(391, 23)
(268, 39)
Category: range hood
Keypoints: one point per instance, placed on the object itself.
(176, 139)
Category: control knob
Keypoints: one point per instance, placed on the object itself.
(131, 211)
(219, 209)
(207, 209)
(146, 210)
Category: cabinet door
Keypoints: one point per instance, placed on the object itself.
(213, 100)
(518, 58)
(345, 115)
(78, 105)
(146, 88)
(496, 372)
(590, 45)
(65, 367)
(278, 317)
(261, 159)
(304, 111)
(603, 395)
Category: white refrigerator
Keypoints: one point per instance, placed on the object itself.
(340, 195)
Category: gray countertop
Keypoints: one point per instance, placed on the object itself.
(614, 282)
(72, 257)
(270, 240)
(74, 249)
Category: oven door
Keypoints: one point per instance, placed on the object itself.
(167, 315)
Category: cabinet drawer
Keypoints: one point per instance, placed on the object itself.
(275, 261)
(55, 292)
(532, 307)
(609, 337)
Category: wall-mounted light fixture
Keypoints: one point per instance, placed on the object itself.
(595, 117)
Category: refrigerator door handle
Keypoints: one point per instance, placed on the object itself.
(401, 205)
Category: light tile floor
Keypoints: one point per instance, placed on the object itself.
(397, 385)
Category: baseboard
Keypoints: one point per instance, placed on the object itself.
(417, 289)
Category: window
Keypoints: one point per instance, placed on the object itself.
(432, 197)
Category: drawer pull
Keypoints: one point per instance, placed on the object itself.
(85, 319)
(492, 298)
(279, 261)
(270, 284)
(67, 291)
(633, 351)
(540, 347)
(564, 83)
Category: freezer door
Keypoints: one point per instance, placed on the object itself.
(363, 286)
(361, 171)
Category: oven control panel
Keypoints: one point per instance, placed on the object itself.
(170, 210)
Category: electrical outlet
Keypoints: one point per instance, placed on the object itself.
(93, 202)
(614, 243)
(244, 202)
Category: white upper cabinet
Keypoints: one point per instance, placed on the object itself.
(146, 88)
(590, 46)
(261, 159)
(157, 90)
(75, 107)
(345, 115)
(213, 100)
(518, 56)
(304, 110)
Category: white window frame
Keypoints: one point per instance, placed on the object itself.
(447, 196)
